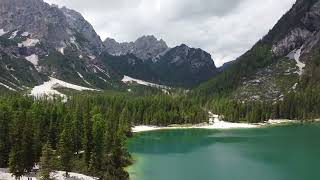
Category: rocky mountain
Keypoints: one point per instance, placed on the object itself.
(185, 66)
(179, 66)
(58, 28)
(145, 47)
(285, 60)
(48, 41)
(40, 42)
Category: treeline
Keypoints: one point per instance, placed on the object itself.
(301, 105)
(87, 134)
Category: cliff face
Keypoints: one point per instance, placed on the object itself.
(154, 61)
(48, 41)
(145, 47)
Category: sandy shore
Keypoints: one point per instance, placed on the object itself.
(214, 123)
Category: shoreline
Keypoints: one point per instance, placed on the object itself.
(55, 175)
(214, 123)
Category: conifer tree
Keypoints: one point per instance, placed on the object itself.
(66, 146)
(46, 162)
(98, 143)
(16, 162)
(77, 130)
(4, 136)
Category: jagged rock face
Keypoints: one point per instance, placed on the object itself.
(180, 66)
(76, 22)
(148, 47)
(185, 66)
(302, 33)
(304, 20)
(38, 41)
(195, 59)
(145, 48)
(292, 41)
(57, 28)
(117, 49)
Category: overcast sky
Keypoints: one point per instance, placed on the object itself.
(224, 28)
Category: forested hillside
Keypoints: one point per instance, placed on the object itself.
(87, 134)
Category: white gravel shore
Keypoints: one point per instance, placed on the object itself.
(214, 123)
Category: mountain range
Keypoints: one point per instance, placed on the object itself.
(39, 41)
(151, 59)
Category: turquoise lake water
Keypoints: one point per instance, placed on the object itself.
(276, 153)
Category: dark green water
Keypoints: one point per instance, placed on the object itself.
(275, 153)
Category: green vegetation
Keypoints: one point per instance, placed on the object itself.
(87, 134)
(225, 83)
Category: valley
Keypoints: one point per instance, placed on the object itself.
(75, 106)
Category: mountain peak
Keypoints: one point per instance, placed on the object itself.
(146, 47)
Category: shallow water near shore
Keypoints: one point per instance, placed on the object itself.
(290, 152)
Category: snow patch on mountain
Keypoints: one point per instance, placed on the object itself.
(13, 35)
(48, 88)
(29, 43)
(34, 59)
(8, 87)
(92, 57)
(102, 79)
(14, 77)
(73, 41)
(300, 64)
(80, 75)
(103, 71)
(130, 80)
(295, 55)
(2, 32)
(13, 85)
(61, 50)
(25, 34)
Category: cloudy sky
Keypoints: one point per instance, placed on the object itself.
(224, 28)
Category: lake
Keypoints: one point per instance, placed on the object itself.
(289, 152)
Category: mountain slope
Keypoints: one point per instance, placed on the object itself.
(284, 60)
(46, 41)
(49, 41)
(185, 66)
(179, 66)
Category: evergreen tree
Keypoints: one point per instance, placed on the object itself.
(27, 143)
(66, 146)
(98, 143)
(16, 162)
(4, 136)
(77, 130)
(46, 162)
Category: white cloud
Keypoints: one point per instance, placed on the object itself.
(225, 28)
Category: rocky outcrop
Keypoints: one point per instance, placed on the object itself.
(292, 41)
(302, 30)
(47, 41)
(179, 66)
(195, 59)
(185, 66)
(54, 27)
(145, 47)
